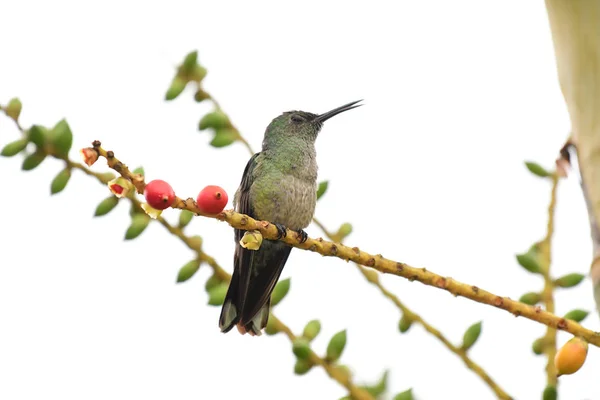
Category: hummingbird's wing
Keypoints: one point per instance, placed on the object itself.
(236, 294)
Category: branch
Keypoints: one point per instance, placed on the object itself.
(378, 262)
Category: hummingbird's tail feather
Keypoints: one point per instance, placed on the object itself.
(257, 323)
(267, 264)
(230, 313)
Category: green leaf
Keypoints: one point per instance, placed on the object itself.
(271, 328)
(214, 120)
(139, 170)
(189, 62)
(302, 366)
(380, 387)
(301, 348)
(178, 84)
(14, 148)
(529, 262)
(537, 169)
(211, 282)
(33, 160)
(471, 335)
(139, 222)
(185, 217)
(336, 346)
(576, 315)
(281, 289)
(224, 137)
(216, 295)
(569, 280)
(405, 324)
(531, 298)
(312, 329)
(550, 393)
(37, 135)
(188, 270)
(106, 206)
(61, 138)
(60, 181)
(322, 189)
(406, 395)
(345, 230)
(13, 109)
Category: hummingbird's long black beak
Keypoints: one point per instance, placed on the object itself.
(324, 117)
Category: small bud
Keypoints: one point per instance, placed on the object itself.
(60, 181)
(344, 370)
(251, 240)
(405, 324)
(538, 346)
(271, 328)
(198, 74)
(312, 329)
(529, 262)
(576, 315)
(281, 289)
(216, 295)
(37, 135)
(302, 366)
(224, 137)
(188, 270)
(301, 348)
(139, 170)
(13, 109)
(120, 186)
(195, 243)
(178, 84)
(471, 335)
(530, 298)
(89, 155)
(214, 120)
(211, 282)
(322, 188)
(139, 222)
(569, 280)
(344, 230)
(550, 393)
(60, 139)
(371, 274)
(571, 356)
(537, 169)
(201, 95)
(185, 217)
(33, 160)
(151, 211)
(336, 346)
(106, 206)
(106, 177)
(406, 395)
(14, 148)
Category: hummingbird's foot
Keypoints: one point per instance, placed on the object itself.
(281, 230)
(302, 236)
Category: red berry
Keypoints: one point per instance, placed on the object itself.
(159, 194)
(212, 199)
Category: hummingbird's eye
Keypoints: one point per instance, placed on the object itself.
(296, 118)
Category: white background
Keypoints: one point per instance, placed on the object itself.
(430, 172)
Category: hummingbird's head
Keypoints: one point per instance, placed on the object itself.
(300, 125)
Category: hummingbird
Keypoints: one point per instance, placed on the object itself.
(279, 185)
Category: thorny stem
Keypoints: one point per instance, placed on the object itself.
(549, 339)
(472, 365)
(378, 262)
